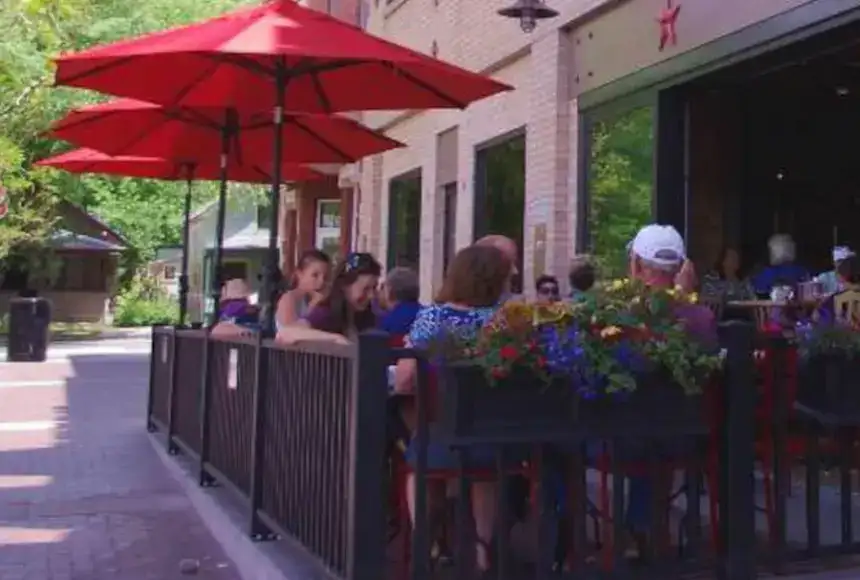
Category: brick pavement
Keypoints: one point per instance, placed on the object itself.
(84, 496)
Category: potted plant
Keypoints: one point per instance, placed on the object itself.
(499, 387)
(830, 375)
(618, 362)
(640, 370)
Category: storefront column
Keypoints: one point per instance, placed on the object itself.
(549, 159)
(346, 216)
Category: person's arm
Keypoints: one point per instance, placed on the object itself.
(296, 333)
(423, 330)
(286, 313)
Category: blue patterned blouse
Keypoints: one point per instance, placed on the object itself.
(441, 321)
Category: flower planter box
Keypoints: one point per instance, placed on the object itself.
(521, 408)
(830, 388)
(658, 408)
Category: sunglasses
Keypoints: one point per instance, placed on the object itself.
(548, 290)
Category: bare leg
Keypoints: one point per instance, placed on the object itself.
(484, 513)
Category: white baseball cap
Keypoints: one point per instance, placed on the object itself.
(659, 244)
(842, 253)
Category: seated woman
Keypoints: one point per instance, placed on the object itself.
(399, 297)
(345, 310)
(783, 269)
(474, 284)
(308, 281)
(725, 282)
(236, 315)
(848, 272)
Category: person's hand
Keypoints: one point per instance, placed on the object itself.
(686, 278)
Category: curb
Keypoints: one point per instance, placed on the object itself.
(249, 560)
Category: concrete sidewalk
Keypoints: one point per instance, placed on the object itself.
(85, 496)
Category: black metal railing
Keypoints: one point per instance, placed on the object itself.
(230, 411)
(160, 378)
(298, 433)
(189, 355)
(745, 481)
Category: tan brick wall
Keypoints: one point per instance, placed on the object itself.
(470, 34)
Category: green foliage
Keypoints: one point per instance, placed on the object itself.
(147, 213)
(144, 303)
(621, 182)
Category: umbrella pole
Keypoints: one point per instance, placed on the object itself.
(183, 277)
(273, 274)
(217, 282)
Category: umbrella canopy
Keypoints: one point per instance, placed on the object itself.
(91, 161)
(129, 127)
(236, 59)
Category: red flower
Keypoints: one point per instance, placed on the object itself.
(498, 372)
(541, 362)
(508, 352)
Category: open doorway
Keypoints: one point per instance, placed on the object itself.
(771, 151)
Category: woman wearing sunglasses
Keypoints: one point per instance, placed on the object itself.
(346, 309)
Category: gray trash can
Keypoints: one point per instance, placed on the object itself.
(29, 321)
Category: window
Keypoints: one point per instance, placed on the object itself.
(404, 220)
(328, 214)
(170, 272)
(500, 192)
(449, 226)
(327, 235)
(82, 273)
(620, 184)
(264, 215)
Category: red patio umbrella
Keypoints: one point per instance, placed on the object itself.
(130, 127)
(320, 63)
(92, 161)
(278, 55)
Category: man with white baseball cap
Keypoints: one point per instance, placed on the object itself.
(657, 257)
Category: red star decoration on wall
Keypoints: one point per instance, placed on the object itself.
(667, 24)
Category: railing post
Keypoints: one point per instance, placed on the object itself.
(203, 478)
(172, 449)
(366, 528)
(257, 530)
(150, 396)
(737, 488)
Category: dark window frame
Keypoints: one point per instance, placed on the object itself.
(413, 235)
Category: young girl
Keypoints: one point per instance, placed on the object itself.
(346, 309)
(308, 282)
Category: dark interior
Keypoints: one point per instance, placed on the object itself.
(775, 138)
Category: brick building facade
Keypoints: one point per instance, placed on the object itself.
(443, 143)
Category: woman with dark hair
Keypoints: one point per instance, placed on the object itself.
(346, 309)
(726, 282)
(474, 285)
(308, 281)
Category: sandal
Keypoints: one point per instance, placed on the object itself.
(485, 549)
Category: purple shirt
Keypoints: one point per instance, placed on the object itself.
(320, 318)
(700, 323)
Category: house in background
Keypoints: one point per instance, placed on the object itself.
(166, 268)
(80, 278)
(246, 242)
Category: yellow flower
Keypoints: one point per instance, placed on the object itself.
(693, 297)
(618, 284)
(610, 331)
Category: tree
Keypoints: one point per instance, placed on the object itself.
(147, 213)
(621, 182)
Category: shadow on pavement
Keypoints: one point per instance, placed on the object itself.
(84, 496)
